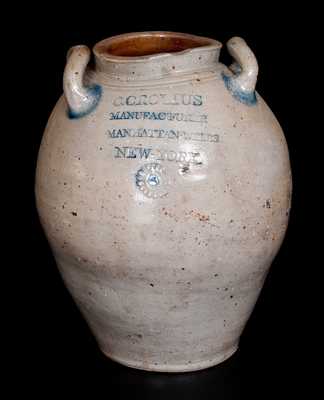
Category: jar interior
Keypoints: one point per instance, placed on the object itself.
(152, 44)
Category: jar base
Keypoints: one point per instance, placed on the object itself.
(189, 367)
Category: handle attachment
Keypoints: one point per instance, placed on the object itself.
(81, 99)
(245, 70)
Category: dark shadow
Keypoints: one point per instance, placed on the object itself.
(220, 382)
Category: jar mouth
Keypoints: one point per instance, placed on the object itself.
(143, 45)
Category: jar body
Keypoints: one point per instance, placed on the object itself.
(164, 208)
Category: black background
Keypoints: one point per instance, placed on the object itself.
(273, 358)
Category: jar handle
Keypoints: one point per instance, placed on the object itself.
(245, 69)
(81, 99)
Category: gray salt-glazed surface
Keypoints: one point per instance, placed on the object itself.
(165, 199)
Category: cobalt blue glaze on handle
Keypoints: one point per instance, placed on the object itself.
(245, 72)
(81, 99)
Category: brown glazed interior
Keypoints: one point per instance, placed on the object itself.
(151, 43)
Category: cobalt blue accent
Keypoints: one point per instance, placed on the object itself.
(153, 180)
(139, 177)
(248, 98)
(95, 95)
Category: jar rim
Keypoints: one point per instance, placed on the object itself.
(144, 46)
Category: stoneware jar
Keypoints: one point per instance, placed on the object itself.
(163, 186)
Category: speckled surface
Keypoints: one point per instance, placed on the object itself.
(164, 206)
